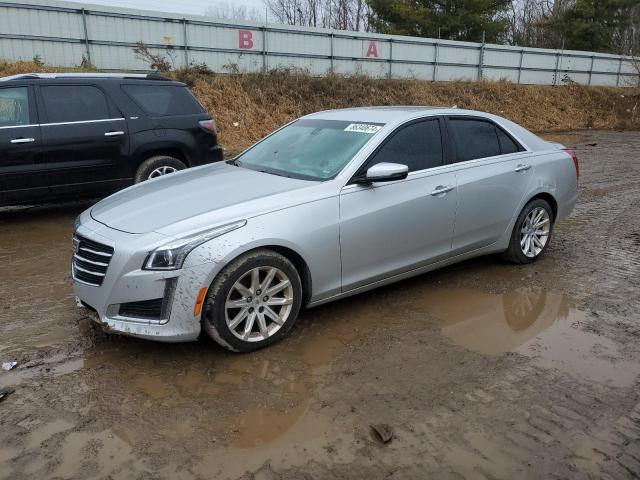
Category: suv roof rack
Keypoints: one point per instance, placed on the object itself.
(27, 76)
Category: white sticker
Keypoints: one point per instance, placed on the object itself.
(363, 128)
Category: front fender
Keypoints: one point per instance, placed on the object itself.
(310, 230)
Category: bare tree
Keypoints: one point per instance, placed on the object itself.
(528, 20)
(230, 11)
(338, 14)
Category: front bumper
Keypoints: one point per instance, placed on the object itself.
(126, 282)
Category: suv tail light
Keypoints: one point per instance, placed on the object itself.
(576, 163)
(209, 125)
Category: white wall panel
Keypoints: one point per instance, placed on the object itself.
(55, 31)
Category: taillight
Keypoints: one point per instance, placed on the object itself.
(576, 163)
(209, 125)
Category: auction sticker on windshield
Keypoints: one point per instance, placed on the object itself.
(363, 128)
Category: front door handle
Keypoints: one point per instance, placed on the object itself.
(522, 168)
(114, 134)
(23, 140)
(441, 190)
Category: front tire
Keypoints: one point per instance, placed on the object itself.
(253, 302)
(531, 233)
(157, 166)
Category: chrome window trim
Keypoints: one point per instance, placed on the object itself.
(65, 123)
(20, 126)
(82, 121)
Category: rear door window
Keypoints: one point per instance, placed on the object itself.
(474, 138)
(14, 106)
(163, 100)
(418, 146)
(74, 103)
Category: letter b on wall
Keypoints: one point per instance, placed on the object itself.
(245, 39)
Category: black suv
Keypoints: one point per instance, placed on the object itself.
(66, 135)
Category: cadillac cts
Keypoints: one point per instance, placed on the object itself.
(332, 204)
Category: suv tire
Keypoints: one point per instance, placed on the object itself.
(152, 167)
(257, 307)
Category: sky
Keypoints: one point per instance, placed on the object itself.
(191, 7)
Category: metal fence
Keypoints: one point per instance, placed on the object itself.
(62, 34)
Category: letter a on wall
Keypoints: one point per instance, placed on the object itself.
(245, 39)
(372, 50)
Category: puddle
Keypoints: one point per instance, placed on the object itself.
(530, 321)
(35, 255)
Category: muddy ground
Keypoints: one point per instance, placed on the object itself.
(483, 369)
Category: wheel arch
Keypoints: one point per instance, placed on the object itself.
(550, 199)
(173, 151)
(286, 251)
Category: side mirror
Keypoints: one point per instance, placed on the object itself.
(387, 172)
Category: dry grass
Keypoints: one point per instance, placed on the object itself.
(248, 106)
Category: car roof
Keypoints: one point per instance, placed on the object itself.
(393, 116)
(389, 114)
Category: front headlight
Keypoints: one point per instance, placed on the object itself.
(171, 256)
(76, 224)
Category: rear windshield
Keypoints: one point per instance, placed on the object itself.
(162, 100)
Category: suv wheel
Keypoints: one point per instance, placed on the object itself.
(157, 166)
(253, 302)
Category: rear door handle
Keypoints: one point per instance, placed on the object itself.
(441, 190)
(522, 168)
(114, 134)
(23, 140)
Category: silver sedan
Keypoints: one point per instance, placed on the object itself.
(330, 205)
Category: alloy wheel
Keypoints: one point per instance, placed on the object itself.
(158, 172)
(534, 233)
(259, 303)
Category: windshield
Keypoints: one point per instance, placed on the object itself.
(309, 149)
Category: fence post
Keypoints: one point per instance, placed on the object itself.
(520, 65)
(390, 56)
(591, 69)
(555, 70)
(481, 59)
(86, 35)
(619, 70)
(265, 49)
(331, 51)
(435, 61)
(186, 43)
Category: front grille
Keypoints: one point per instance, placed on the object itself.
(91, 260)
(144, 309)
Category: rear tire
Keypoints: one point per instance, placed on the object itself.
(531, 233)
(253, 302)
(157, 166)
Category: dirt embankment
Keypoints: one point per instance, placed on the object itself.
(248, 106)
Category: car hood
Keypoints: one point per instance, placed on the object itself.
(195, 198)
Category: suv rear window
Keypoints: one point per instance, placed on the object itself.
(163, 100)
